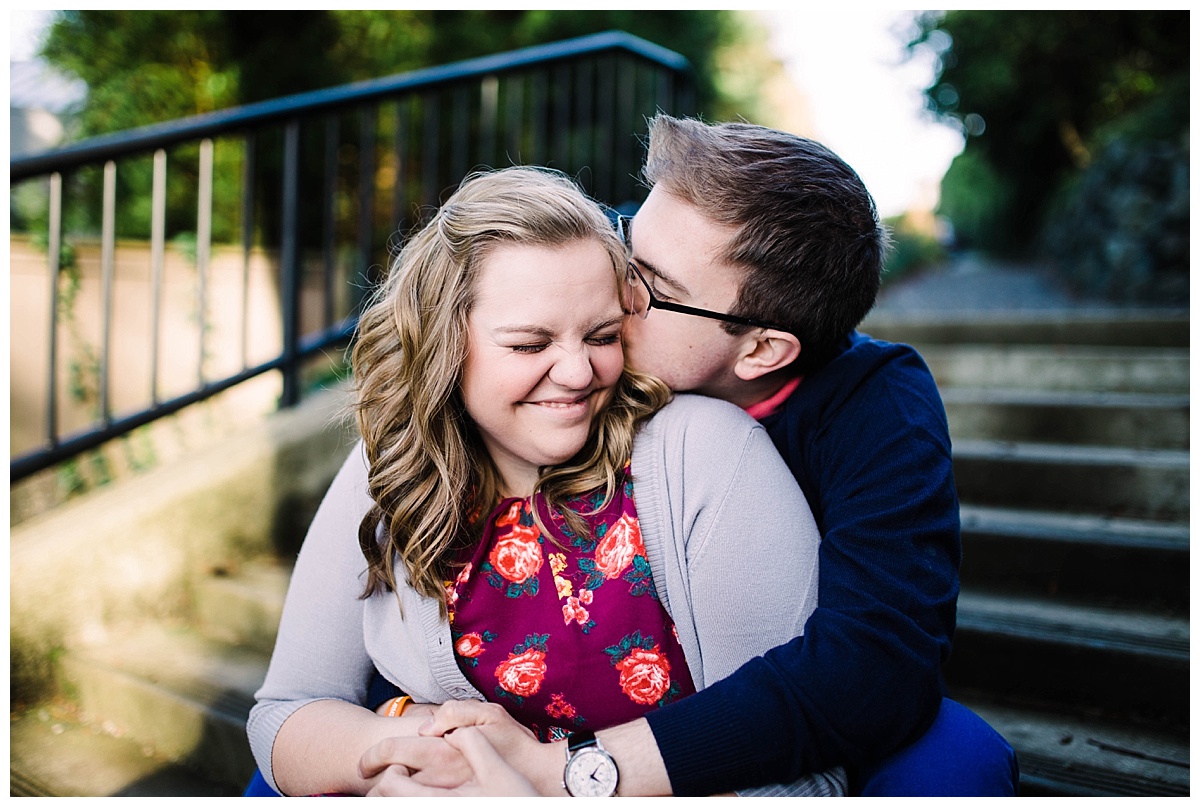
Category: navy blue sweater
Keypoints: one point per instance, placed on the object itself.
(866, 438)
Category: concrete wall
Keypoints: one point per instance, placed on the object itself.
(130, 551)
(183, 358)
(80, 329)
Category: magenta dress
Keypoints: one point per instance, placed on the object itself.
(570, 636)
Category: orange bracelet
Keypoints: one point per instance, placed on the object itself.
(396, 706)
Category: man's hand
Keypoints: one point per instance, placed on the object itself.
(490, 775)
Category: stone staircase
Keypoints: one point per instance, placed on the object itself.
(178, 692)
(1071, 443)
(1071, 440)
(138, 677)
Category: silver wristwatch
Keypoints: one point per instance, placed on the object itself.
(590, 770)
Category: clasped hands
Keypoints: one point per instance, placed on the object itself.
(455, 754)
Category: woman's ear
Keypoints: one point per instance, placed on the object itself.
(769, 351)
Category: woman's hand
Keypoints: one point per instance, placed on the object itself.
(488, 773)
(432, 759)
(540, 763)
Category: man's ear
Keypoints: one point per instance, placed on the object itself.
(769, 351)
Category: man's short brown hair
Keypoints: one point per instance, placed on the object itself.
(808, 234)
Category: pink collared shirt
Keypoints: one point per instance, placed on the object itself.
(773, 404)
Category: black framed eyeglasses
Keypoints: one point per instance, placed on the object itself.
(640, 298)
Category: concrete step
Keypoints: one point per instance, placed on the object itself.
(1132, 665)
(1084, 368)
(1149, 635)
(1127, 420)
(171, 690)
(1127, 562)
(1118, 482)
(1129, 329)
(53, 752)
(1066, 755)
(242, 606)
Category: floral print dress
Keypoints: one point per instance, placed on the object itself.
(566, 636)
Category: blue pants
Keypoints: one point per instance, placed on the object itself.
(258, 786)
(960, 755)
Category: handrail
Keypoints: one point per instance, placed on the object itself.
(613, 81)
(211, 124)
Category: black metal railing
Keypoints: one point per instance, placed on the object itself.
(319, 186)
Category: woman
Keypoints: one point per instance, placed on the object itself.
(513, 525)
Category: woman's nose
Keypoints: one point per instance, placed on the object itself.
(572, 369)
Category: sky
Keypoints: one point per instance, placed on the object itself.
(22, 32)
(866, 101)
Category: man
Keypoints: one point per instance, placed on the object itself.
(777, 229)
(752, 260)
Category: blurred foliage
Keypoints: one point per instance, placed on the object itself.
(1122, 227)
(974, 197)
(1041, 95)
(146, 67)
(915, 247)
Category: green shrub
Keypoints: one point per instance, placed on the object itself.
(976, 201)
(1121, 228)
(913, 249)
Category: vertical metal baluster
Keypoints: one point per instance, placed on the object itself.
(538, 150)
(585, 119)
(561, 103)
(289, 264)
(460, 124)
(400, 148)
(604, 171)
(54, 237)
(368, 122)
(248, 170)
(628, 120)
(430, 112)
(328, 248)
(664, 90)
(158, 217)
(108, 243)
(489, 100)
(203, 246)
(514, 98)
(683, 95)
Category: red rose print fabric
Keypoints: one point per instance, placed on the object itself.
(566, 633)
(521, 674)
(645, 669)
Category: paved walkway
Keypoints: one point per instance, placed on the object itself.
(973, 284)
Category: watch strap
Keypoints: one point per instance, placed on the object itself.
(580, 740)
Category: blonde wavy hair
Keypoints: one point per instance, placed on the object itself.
(432, 480)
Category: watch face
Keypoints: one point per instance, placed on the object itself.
(591, 772)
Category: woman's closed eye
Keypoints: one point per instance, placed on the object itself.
(600, 340)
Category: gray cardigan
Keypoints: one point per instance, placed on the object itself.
(731, 542)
